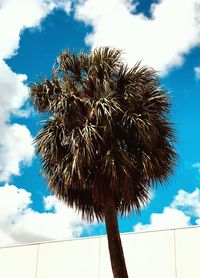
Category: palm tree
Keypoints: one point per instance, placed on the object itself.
(106, 140)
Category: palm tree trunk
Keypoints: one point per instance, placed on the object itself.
(114, 241)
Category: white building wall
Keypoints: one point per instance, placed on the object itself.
(155, 254)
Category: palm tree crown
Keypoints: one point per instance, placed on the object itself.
(107, 131)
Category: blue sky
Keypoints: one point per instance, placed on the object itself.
(151, 31)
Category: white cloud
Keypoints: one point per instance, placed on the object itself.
(184, 206)
(197, 72)
(188, 202)
(169, 218)
(197, 166)
(16, 148)
(21, 14)
(160, 42)
(16, 141)
(19, 223)
(13, 92)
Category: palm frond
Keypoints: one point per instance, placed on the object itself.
(107, 131)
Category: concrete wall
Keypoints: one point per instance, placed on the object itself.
(156, 254)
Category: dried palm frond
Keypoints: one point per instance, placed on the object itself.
(107, 131)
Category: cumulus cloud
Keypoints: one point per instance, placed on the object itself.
(188, 202)
(16, 141)
(19, 223)
(160, 41)
(21, 14)
(169, 218)
(16, 148)
(13, 91)
(184, 206)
